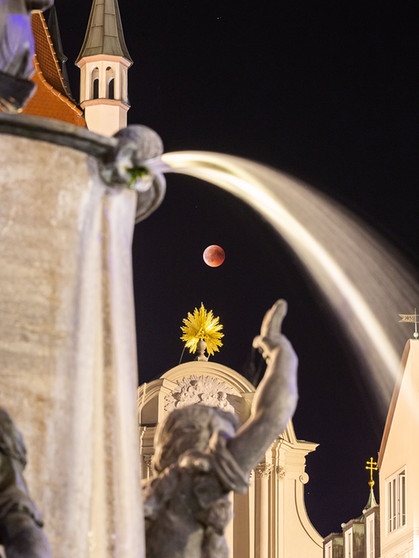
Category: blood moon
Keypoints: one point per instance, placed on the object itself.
(214, 255)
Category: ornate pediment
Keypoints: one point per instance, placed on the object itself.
(202, 390)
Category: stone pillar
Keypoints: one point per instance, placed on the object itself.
(262, 474)
(68, 369)
(243, 528)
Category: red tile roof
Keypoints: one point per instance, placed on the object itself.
(51, 99)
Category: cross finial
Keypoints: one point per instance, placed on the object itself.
(371, 467)
(413, 319)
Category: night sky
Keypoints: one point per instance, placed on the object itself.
(323, 91)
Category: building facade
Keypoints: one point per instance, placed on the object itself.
(399, 464)
(390, 530)
(270, 521)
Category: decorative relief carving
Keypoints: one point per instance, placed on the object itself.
(146, 467)
(263, 470)
(202, 390)
(280, 472)
(304, 478)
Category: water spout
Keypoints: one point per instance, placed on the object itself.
(364, 283)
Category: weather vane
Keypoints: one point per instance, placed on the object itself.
(371, 467)
(413, 319)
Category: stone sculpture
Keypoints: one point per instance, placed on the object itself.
(201, 454)
(21, 532)
(16, 51)
(136, 162)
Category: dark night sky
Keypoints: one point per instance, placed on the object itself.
(324, 91)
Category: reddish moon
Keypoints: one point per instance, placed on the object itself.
(214, 255)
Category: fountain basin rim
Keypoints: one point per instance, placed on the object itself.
(59, 133)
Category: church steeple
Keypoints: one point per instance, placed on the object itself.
(104, 33)
(371, 466)
(104, 61)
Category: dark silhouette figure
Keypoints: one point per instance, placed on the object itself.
(21, 532)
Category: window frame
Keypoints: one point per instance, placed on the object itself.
(395, 490)
(370, 526)
(348, 542)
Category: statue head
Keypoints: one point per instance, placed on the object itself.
(190, 428)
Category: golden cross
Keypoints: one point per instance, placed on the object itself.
(371, 466)
(413, 319)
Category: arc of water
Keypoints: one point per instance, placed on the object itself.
(364, 284)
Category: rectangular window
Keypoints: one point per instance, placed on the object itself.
(348, 544)
(370, 536)
(328, 550)
(396, 501)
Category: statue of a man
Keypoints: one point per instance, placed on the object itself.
(16, 51)
(201, 454)
(21, 532)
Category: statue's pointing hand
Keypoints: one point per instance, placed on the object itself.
(270, 336)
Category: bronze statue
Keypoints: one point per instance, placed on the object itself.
(201, 454)
(21, 532)
(16, 51)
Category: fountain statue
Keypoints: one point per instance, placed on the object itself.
(201, 454)
(16, 51)
(21, 532)
(68, 354)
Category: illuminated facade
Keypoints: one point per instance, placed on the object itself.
(271, 520)
(390, 530)
(399, 464)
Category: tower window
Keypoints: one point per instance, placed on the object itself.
(111, 89)
(95, 88)
(110, 83)
(95, 83)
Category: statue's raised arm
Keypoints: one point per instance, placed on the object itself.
(201, 455)
(276, 397)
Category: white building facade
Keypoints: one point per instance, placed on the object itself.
(270, 521)
(399, 464)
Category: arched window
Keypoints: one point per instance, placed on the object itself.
(111, 89)
(110, 83)
(95, 83)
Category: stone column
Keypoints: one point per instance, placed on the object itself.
(68, 372)
(262, 474)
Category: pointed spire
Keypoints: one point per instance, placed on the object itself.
(371, 466)
(104, 34)
(372, 502)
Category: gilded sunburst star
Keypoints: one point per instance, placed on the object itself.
(201, 324)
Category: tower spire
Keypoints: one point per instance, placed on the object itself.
(104, 61)
(371, 466)
(104, 34)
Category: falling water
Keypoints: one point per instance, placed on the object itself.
(365, 285)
